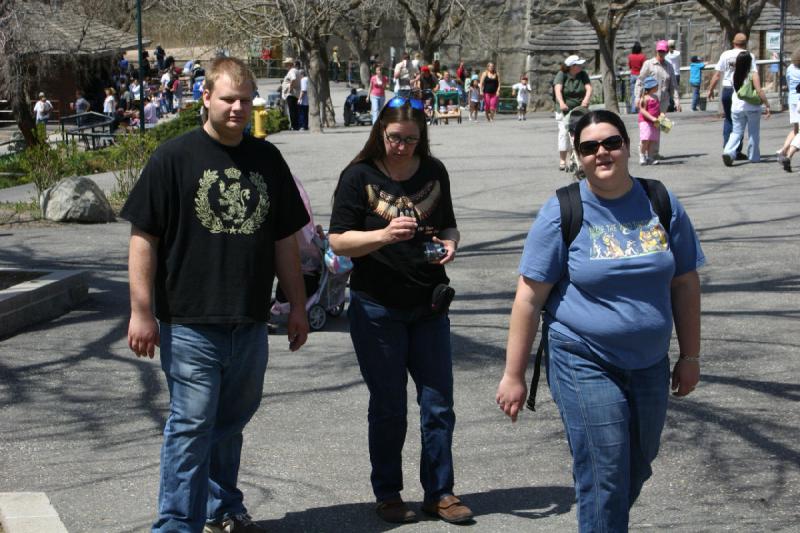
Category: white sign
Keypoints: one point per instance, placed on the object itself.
(773, 41)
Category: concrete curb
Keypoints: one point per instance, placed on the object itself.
(28, 512)
(41, 299)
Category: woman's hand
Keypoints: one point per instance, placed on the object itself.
(450, 246)
(400, 229)
(511, 394)
(685, 376)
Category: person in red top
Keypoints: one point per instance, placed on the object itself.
(635, 61)
(461, 73)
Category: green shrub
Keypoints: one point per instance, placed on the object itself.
(187, 119)
(130, 155)
(276, 121)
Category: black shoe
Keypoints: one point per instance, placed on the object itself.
(728, 160)
(741, 157)
(241, 523)
(787, 164)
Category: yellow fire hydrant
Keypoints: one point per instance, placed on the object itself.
(259, 118)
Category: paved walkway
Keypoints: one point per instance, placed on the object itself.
(81, 416)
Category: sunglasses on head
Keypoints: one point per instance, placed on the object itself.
(400, 101)
(614, 142)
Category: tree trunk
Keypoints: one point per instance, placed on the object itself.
(363, 67)
(19, 101)
(315, 120)
(320, 107)
(608, 70)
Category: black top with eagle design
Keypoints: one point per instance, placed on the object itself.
(396, 275)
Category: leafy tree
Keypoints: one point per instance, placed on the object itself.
(734, 16)
(607, 24)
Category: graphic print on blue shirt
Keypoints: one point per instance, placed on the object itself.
(627, 240)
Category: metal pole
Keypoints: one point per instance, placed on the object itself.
(141, 63)
(780, 54)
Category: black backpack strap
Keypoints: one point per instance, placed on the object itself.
(537, 371)
(659, 199)
(569, 200)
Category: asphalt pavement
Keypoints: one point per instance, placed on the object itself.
(81, 416)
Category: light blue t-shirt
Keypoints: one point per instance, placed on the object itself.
(792, 80)
(614, 292)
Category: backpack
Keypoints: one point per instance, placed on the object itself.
(569, 202)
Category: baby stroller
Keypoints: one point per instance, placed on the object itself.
(357, 109)
(325, 275)
(572, 118)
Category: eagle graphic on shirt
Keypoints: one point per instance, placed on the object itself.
(419, 205)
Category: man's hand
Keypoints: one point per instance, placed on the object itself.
(297, 328)
(143, 335)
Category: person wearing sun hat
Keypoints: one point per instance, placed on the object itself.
(660, 69)
(571, 88)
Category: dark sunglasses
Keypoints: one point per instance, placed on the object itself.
(614, 142)
(400, 101)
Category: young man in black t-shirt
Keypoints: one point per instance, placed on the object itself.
(213, 220)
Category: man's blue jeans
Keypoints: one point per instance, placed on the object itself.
(613, 420)
(215, 375)
(632, 90)
(391, 343)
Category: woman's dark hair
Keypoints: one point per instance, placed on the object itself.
(637, 47)
(601, 116)
(564, 68)
(375, 150)
(744, 62)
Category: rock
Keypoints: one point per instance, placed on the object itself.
(76, 199)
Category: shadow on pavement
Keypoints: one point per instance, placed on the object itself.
(524, 502)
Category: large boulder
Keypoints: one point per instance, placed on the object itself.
(76, 199)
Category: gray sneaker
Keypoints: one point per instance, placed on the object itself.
(240, 523)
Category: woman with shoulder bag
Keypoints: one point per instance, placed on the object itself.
(744, 113)
(608, 300)
(393, 214)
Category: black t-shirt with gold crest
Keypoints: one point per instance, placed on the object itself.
(217, 211)
(396, 275)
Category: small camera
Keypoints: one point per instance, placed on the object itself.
(434, 252)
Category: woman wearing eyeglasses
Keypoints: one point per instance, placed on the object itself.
(608, 299)
(393, 214)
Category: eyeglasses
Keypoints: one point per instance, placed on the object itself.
(395, 139)
(400, 101)
(614, 142)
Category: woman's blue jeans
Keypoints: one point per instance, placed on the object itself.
(391, 343)
(377, 104)
(741, 120)
(215, 375)
(613, 420)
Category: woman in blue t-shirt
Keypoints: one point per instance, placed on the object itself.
(608, 299)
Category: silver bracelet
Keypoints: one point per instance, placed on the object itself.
(689, 358)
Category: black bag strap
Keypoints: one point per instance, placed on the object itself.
(659, 199)
(569, 201)
(537, 370)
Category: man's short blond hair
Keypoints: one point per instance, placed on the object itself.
(234, 68)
